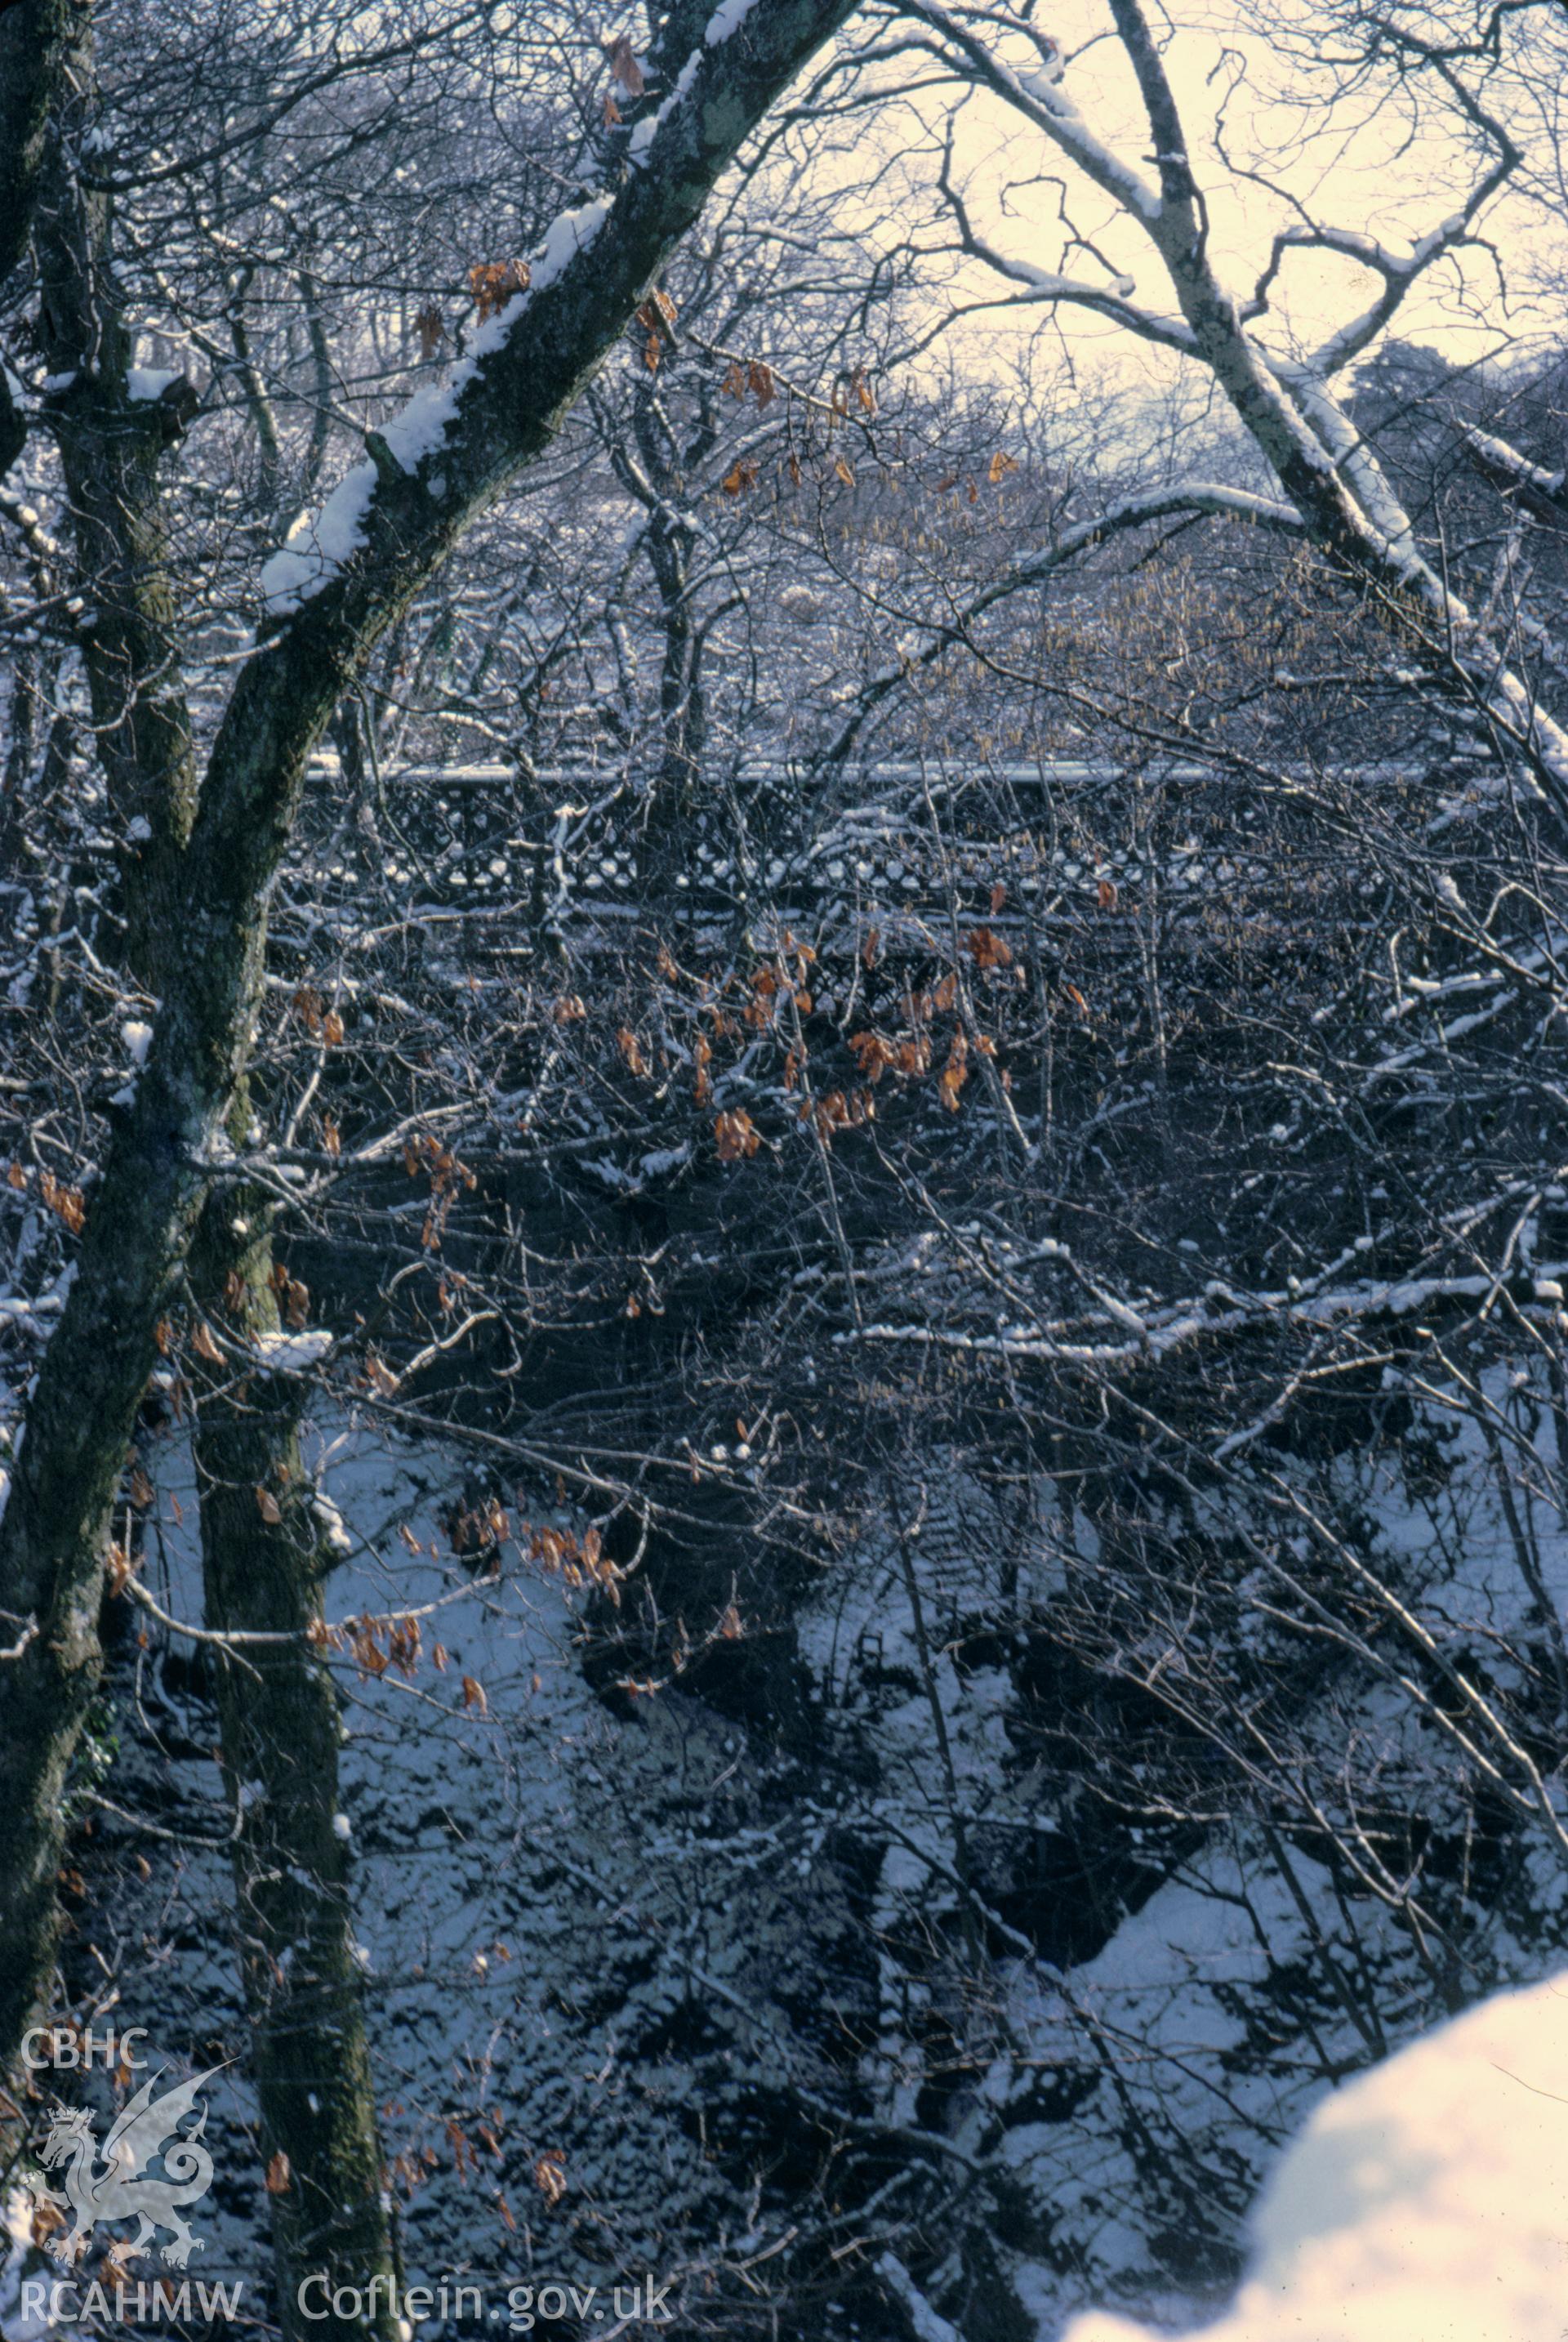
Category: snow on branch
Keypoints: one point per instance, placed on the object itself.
(317, 549)
(1165, 1328)
(1507, 469)
(1048, 106)
(452, 441)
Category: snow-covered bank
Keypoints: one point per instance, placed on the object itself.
(1425, 2202)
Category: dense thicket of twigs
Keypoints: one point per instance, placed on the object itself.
(974, 1180)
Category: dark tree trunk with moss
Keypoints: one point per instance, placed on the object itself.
(110, 443)
(265, 1559)
(169, 1148)
(279, 1707)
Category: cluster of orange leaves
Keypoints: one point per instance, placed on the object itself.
(493, 283)
(447, 1176)
(996, 471)
(911, 1055)
(578, 1560)
(736, 1135)
(656, 316)
(67, 1204)
(323, 1024)
(463, 2158)
(876, 1056)
(782, 982)
(375, 1643)
(756, 376)
(479, 1528)
(839, 1110)
(293, 1297)
(414, 2167)
(773, 988)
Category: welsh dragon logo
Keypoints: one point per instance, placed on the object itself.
(117, 2189)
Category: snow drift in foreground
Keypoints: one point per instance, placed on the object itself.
(1425, 2202)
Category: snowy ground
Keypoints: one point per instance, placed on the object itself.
(547, 1899)
(616, 1942)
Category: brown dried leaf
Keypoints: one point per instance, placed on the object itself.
(493, 282)
(955, 1072)
(736, 1136)
(987, 948)
(67, 1204)
(267, 1506)
(626, 68)
(279, 2174)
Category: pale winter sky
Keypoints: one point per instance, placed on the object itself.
(1356, 161)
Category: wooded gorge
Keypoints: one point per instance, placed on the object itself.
(781, 894)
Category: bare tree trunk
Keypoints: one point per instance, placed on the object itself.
(34, 43)
(110, 443)
(278, 1706)
(144, 1214)
(265, 1557)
